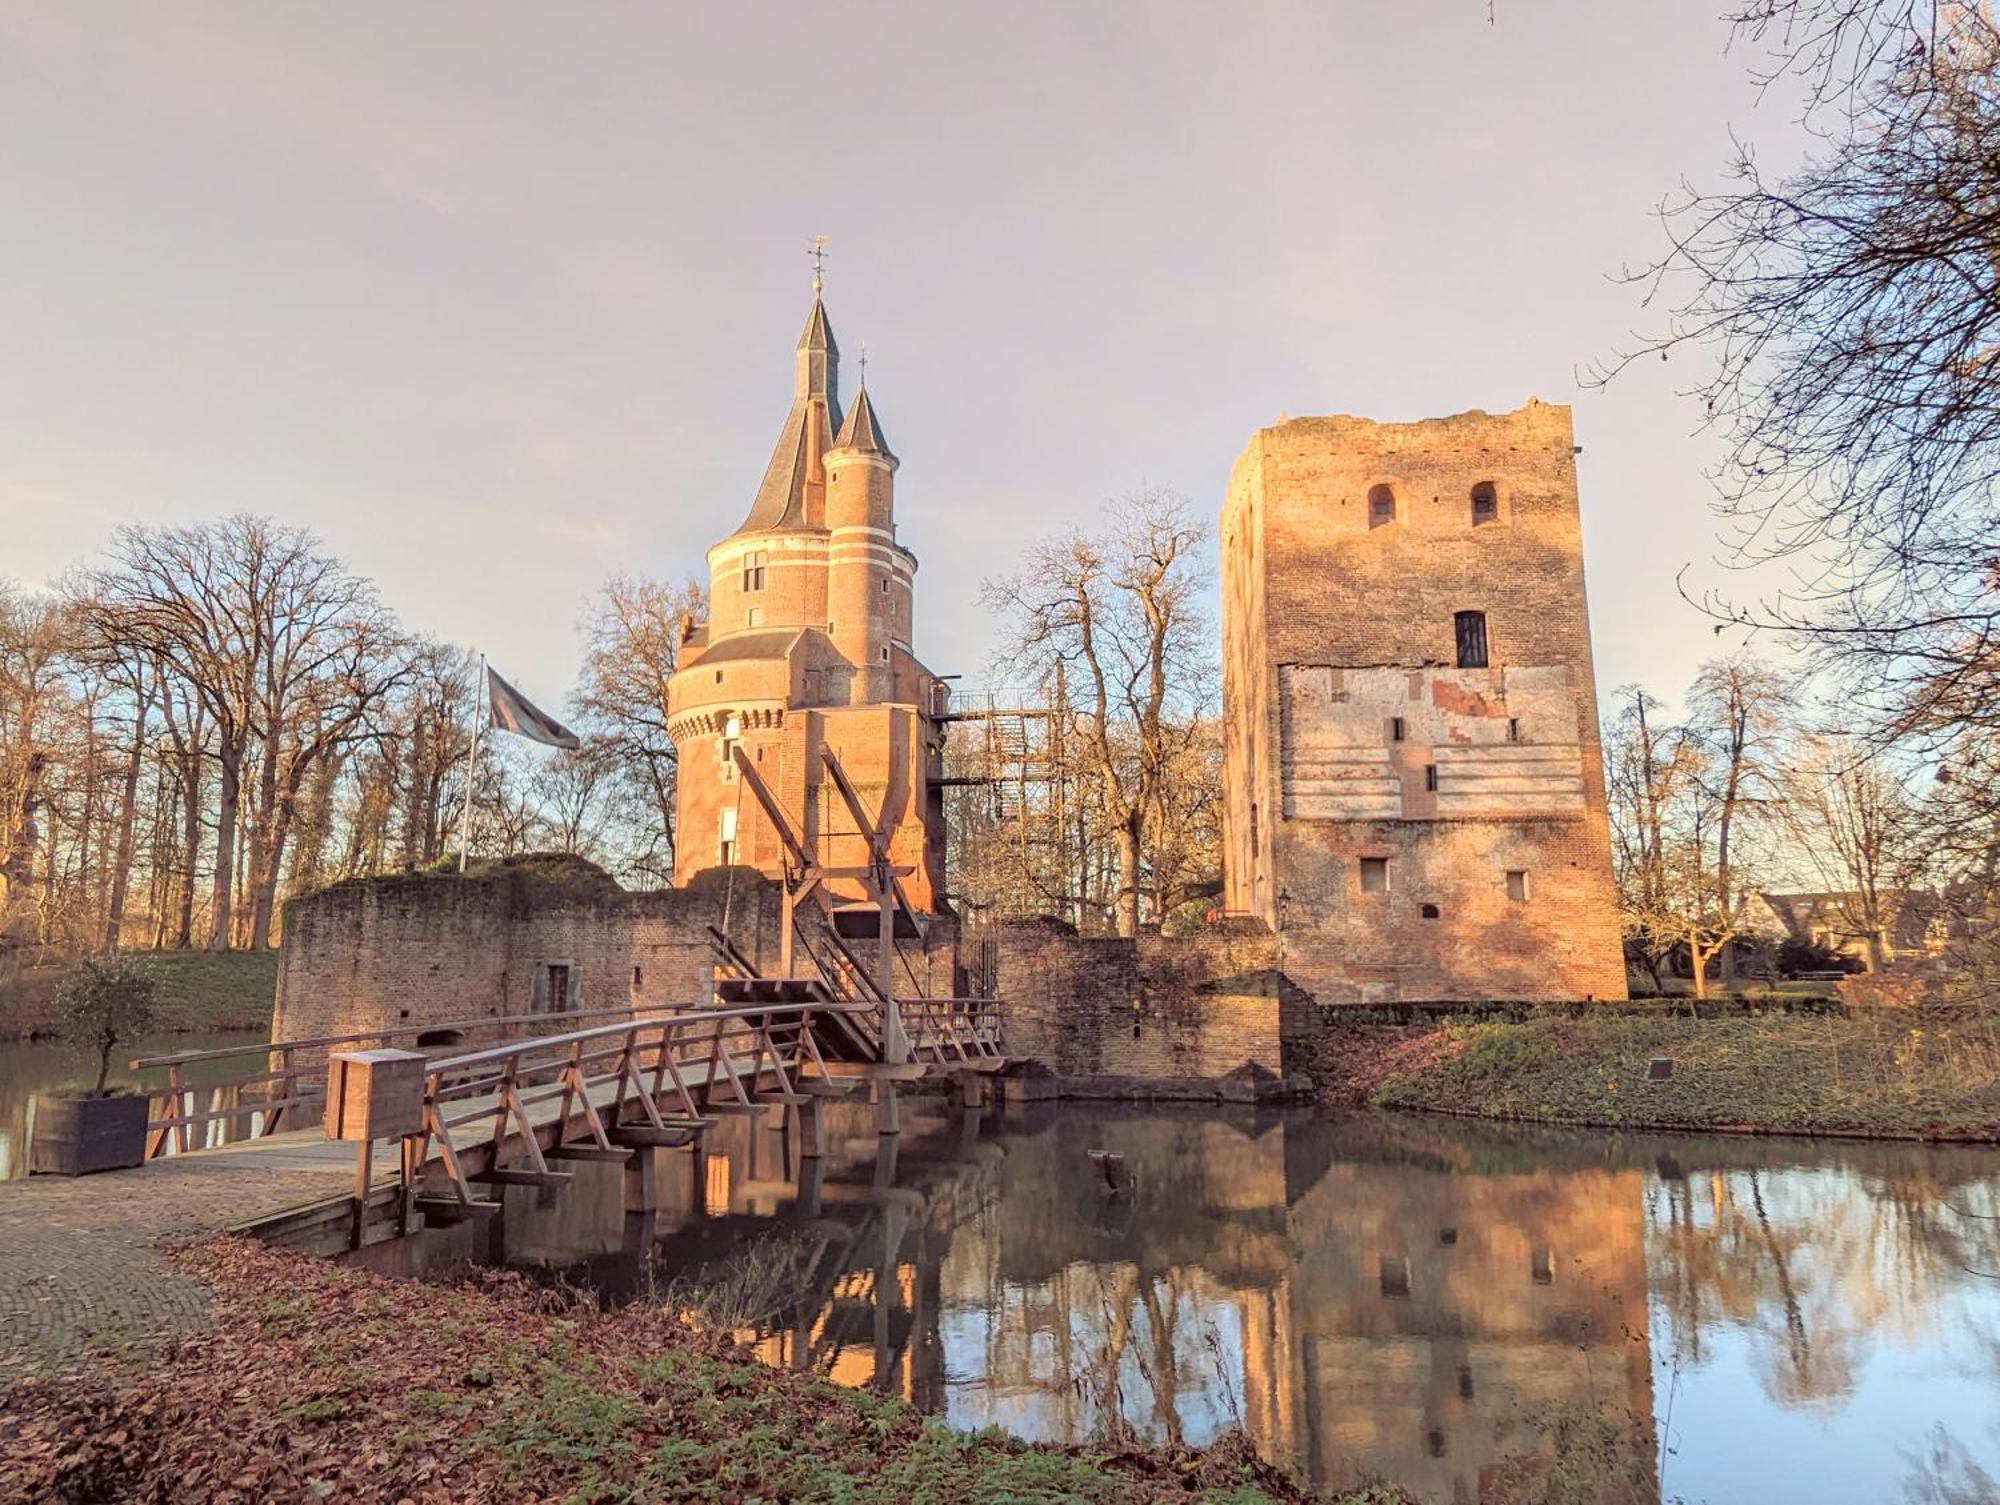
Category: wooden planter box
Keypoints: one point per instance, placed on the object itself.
(77, 1135)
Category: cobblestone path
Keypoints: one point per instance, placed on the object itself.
(78, 1262)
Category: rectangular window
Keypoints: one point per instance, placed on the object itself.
(638, 976)
(1374, 875)
(727, 831)
(1517, 885)
(753, 570)
(1513, 728)
(756, 616)
(558, 987)
(1471, 630)
(1397, 730)
(885, 587)
(1394, 1274)
(1431, 777)
(1542, 1266)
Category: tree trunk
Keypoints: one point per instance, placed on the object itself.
(128, 804)
(1128, 877)
(228, 799)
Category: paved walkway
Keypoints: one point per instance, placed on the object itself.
(79, 1266)
(78, 1262)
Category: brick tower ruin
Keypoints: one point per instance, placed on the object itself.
(807, 645)
(1413, 785)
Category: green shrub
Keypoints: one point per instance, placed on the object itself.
(104, 1000)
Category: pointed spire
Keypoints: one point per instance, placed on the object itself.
(791, 493)
(862, 431)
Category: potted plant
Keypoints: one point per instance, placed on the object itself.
(103, 1001)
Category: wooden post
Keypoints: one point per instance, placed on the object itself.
(364, 1170)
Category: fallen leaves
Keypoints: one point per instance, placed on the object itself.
(317, 1382)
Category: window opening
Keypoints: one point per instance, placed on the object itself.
(753, 570)
(1485, 504)
(1397, 730)
(1381, 506)
(1428, 911)
(1470, 627)
(1395, 1276)
(1517, 885)
(1431, 777)
(1374, 875)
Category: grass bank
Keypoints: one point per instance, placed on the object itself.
(314, 1381)
(1894, 1075)
(199, 992)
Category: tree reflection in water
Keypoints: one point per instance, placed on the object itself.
(1473, 1313)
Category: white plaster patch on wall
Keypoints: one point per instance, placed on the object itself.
(1391, 743)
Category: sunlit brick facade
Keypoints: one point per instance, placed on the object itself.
(807, 646)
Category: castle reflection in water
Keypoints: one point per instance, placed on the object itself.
(1367, 1298)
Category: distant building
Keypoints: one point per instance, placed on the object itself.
(807, 645)
(1413, 783)
(1915, 922)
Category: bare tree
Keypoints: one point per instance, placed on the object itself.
(1120, 610)
(1847, 314)
(287, 654)
(1649, 763)
(1859, 827)
(633, 634)
(1740, 709)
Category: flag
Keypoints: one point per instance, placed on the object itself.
(514, 712)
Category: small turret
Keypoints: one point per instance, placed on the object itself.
(864, 597)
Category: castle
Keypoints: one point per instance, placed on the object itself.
(807, 646)
(1414, 796)
(1413, 784)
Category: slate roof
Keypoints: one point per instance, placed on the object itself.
(862, 431)
(780, 503)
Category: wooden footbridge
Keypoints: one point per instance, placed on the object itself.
(542, 1089)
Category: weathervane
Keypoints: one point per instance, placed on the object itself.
(818, 254)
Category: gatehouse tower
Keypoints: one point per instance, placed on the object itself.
(808, 646)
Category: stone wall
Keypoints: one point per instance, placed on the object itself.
(1152, 1009)
(380, 954)
(1415, 828)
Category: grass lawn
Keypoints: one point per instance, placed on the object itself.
(315, 1381)
(200, 991)
(1877, 1072)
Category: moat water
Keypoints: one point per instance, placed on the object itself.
(1449, 1306)
(28, 1067)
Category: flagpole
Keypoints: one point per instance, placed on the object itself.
(484, 710)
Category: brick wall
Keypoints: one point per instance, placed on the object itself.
(1328, 621)
(379, 954)
(1154, 1007)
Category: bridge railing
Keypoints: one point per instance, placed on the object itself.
(280, 1082)
(693, 1064)
(953, 1033)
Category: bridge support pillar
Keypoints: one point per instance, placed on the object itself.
(971, 1089)
(888, 1112)
(812, 1129)
(638, 1182)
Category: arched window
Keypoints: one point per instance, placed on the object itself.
(1381, 506)
(1470, 627)
(1485, 504)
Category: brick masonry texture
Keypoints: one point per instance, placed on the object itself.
(1310, 586)
(79, 1262)
(379, 955)
(1151, 1007)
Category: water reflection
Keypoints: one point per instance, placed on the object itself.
(1477, 1315)
(28, 1067)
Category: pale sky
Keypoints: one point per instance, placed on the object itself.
(500, 299)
